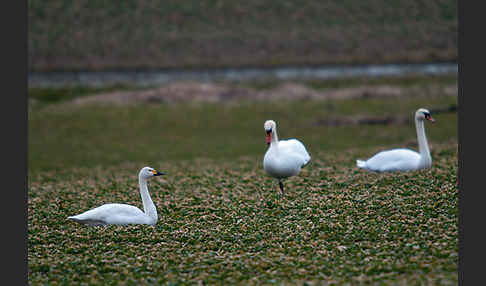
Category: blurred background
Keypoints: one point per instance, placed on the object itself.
(128, 35)
(149, 81)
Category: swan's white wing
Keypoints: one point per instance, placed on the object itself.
(393, 160)
(111, 214)
(286, 159)
(296, 148)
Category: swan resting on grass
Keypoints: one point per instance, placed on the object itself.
(283, 158)
(403, 159)
(123, 214)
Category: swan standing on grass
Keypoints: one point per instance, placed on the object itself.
(403, 159)
(123, 214)
(283, 158)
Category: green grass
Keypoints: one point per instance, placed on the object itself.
(74, 136)
(86, 35)
(221, 219)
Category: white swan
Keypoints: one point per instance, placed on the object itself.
(123, 214)
(403, 159)
(283, 158)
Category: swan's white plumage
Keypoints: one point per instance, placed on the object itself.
(403, 159)
(283, 158)
(392, 160)
(113, 213)
(123, 214)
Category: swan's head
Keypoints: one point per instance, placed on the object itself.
(422, 114)
(269, 126)
(147, 172)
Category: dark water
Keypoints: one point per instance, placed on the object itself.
(147, 78)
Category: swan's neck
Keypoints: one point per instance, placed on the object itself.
(425, 159)
(148, 205)
(274, 142)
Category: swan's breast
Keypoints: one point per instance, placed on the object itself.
(281, 165)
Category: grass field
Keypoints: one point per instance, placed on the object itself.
(87, 35)
(221, 219)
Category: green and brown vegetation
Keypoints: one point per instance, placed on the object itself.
(222, 221)
(100, 35)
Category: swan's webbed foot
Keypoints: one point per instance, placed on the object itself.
(281, 187)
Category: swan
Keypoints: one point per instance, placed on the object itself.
(283, 158)
(123, 214)
(403, 159)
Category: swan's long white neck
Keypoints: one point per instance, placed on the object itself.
(274, 142)
(148, 204)
(425, 159)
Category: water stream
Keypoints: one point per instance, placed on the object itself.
(157, 77)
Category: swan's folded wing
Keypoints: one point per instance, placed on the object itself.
(394, 160)
(107, 211)
(296, 147)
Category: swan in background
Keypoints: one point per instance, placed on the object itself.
(122, 214)
(403, 159)
(283, 158)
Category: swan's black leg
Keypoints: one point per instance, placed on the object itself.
(281, 187)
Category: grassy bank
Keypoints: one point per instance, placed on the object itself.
(221, 219)
(66, 135)
(66, 35)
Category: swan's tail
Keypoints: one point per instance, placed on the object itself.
(361, 163)
(306, 162)
(89, 222)
(74, 218)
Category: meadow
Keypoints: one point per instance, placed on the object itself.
(222, 221)
(87, 35)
